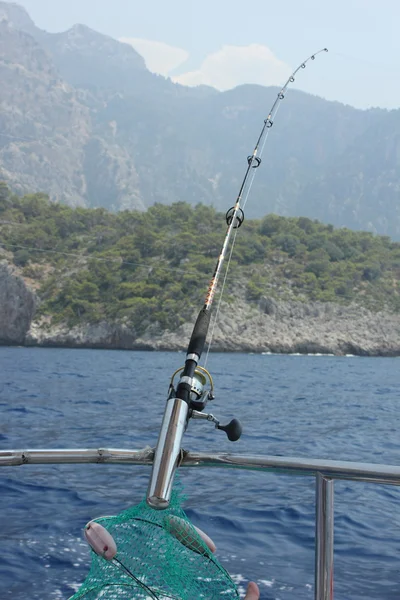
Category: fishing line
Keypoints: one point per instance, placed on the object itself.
(136, 579)
(246, 186)
(217, 312)
(18, 137)
(362, 60)
(98, 258)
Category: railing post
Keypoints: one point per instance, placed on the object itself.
(324, 518)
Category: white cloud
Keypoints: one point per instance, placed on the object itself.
(159, 57)
(225, 69)
(234, 65)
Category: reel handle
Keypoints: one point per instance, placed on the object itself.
(233, 430)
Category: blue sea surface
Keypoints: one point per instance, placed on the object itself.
(262, 523)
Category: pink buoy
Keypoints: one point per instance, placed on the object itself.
(100, 540)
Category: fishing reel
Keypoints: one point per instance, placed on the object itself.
(199, 396)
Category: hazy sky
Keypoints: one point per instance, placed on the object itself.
(228, 42)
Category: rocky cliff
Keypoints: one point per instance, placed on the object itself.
(17, 306)
(276, 327)
(44, 133)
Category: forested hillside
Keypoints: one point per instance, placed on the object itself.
(90, 265)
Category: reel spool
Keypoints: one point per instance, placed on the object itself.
(199, 395)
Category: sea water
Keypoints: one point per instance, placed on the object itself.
(344, 408)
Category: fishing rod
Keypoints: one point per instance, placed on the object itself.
(189, 399)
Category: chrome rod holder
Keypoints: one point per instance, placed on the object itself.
(167, 454)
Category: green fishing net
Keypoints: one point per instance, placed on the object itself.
(159, 556)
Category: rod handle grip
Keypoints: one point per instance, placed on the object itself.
(199, 334)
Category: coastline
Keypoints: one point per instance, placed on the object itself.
(328, 329)
(273, 326)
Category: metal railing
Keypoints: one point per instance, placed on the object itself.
(324, 471)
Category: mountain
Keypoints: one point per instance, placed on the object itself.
(83, 119)
(44, 127)
(17, 17)
(361, 189)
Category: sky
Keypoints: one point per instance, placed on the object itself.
(225, 43)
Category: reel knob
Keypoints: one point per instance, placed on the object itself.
(233, 430)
